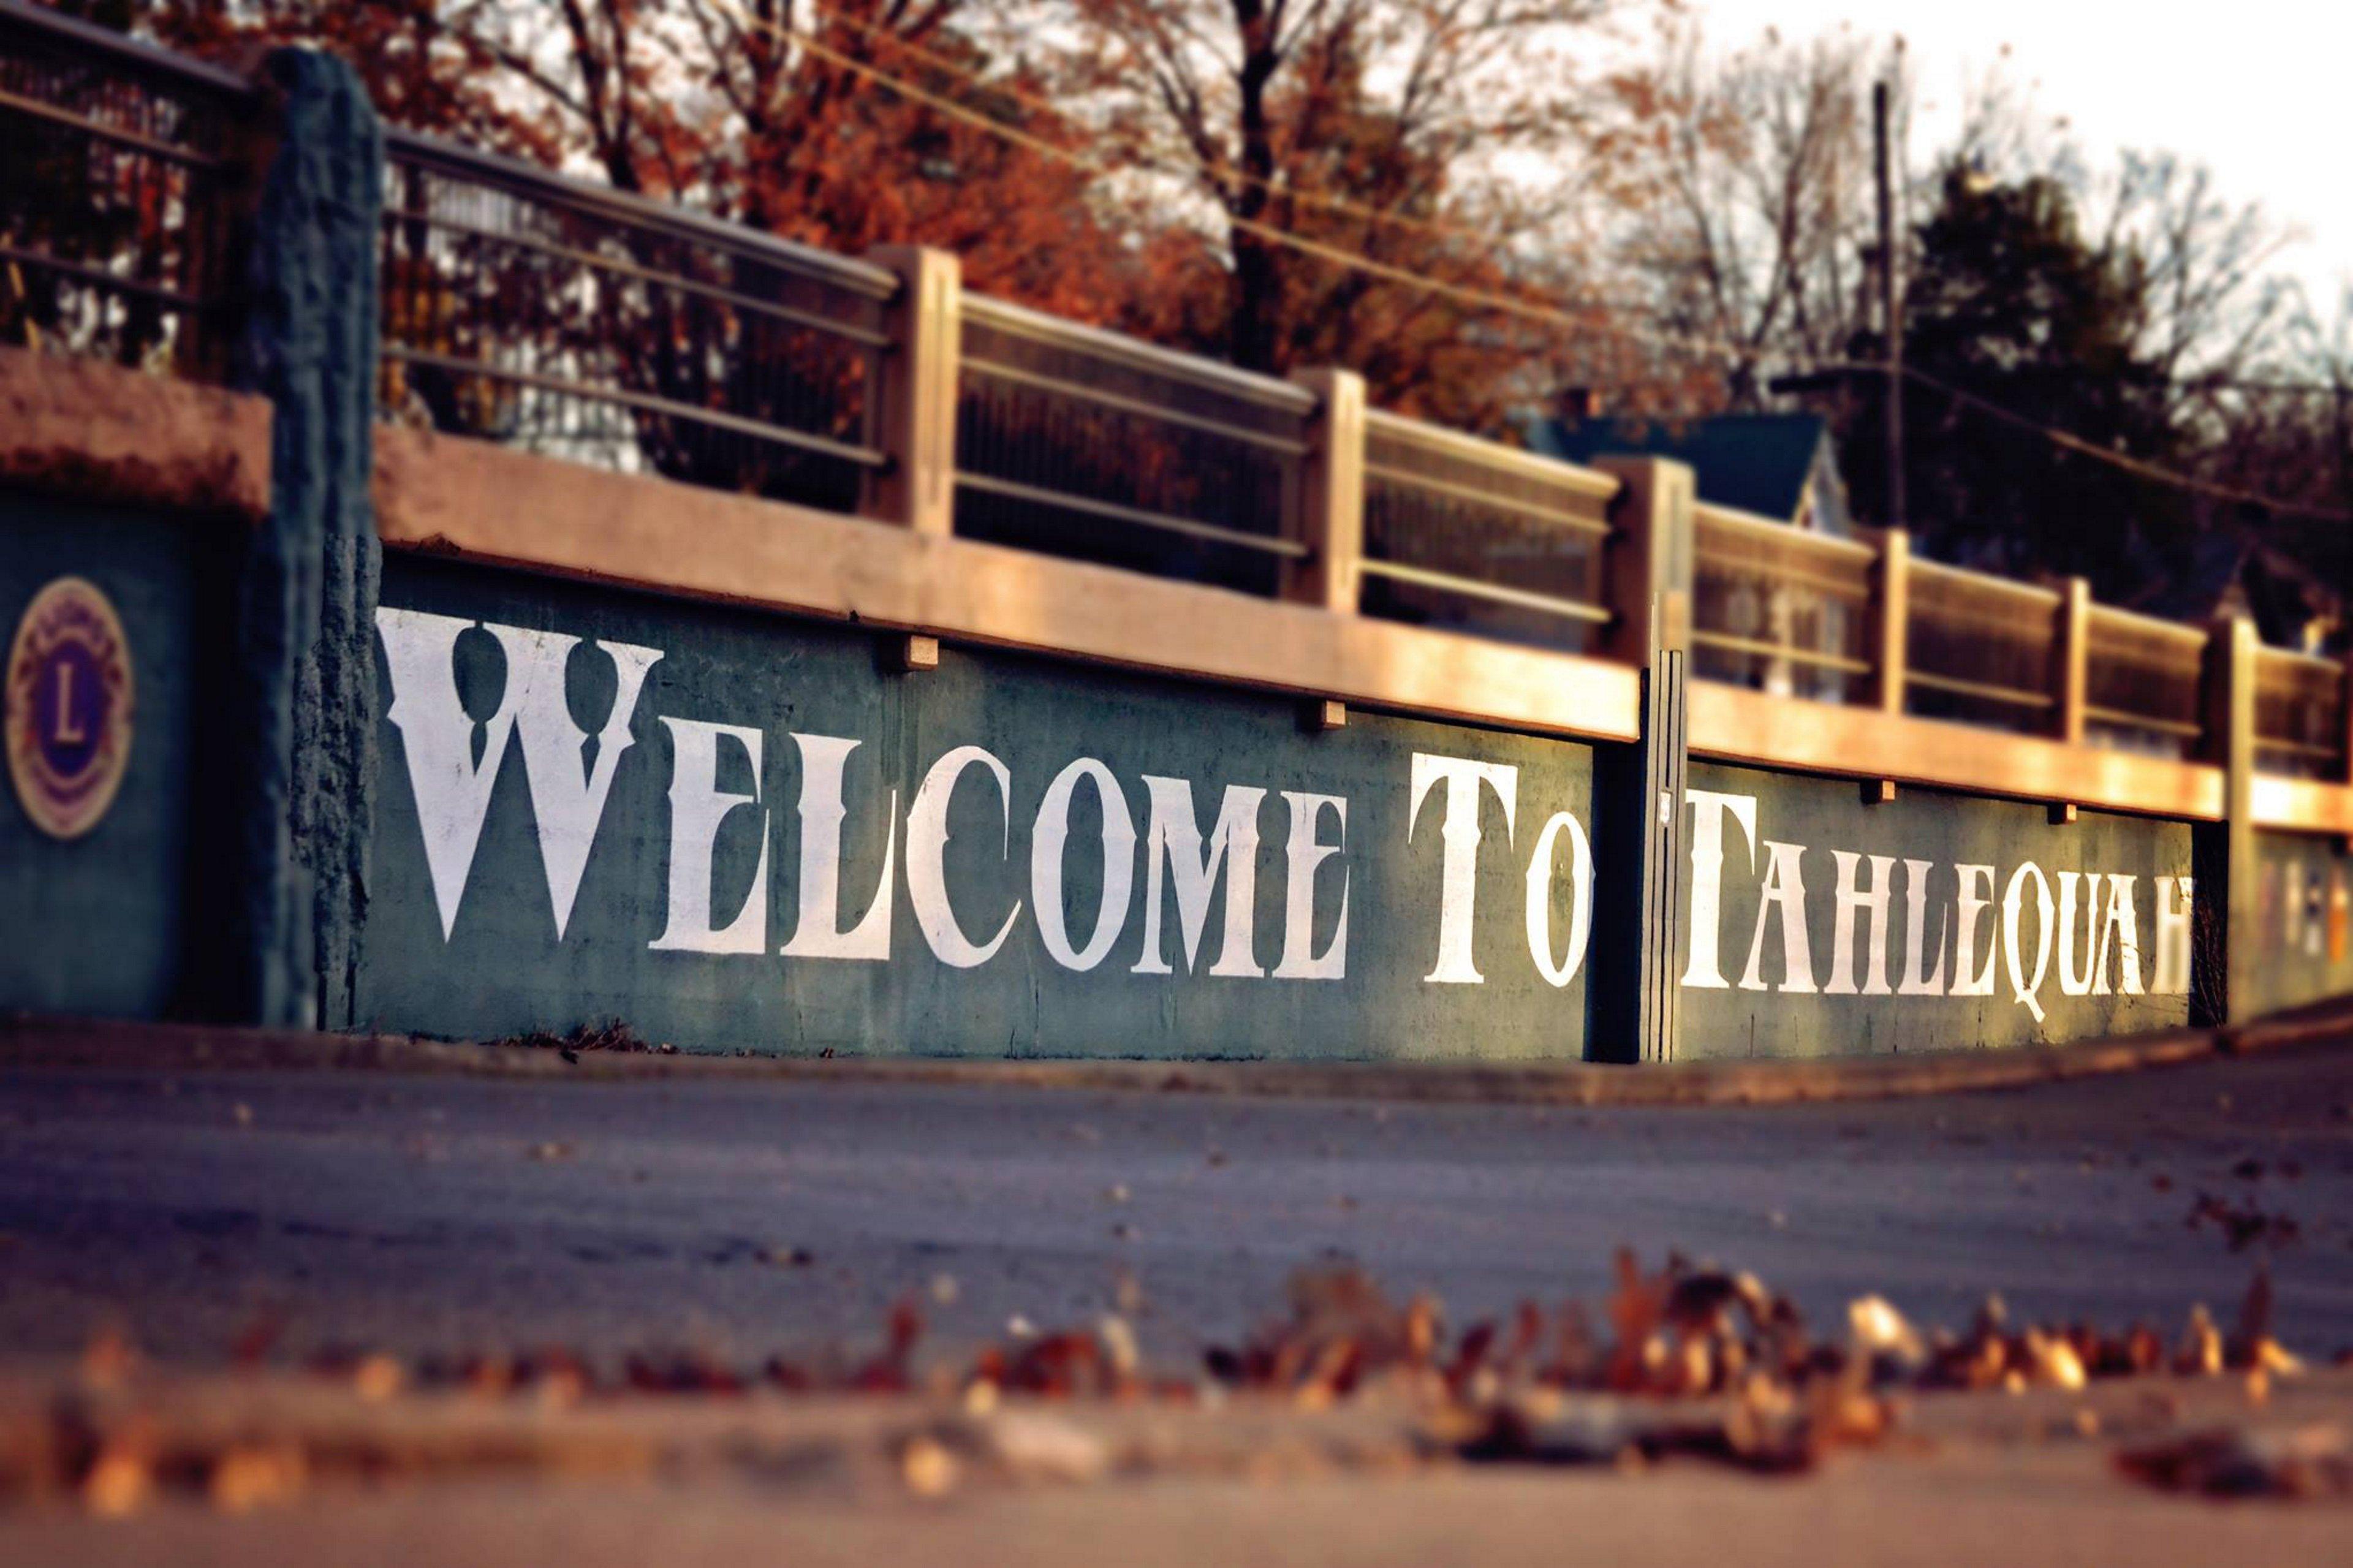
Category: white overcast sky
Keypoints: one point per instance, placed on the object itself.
(2261, 90)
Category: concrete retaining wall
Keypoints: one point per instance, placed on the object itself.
(740, 830)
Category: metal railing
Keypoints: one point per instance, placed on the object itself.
(2299, 714)
(1980, 649)
(1084, 443)
(579, 322)
(1482, 538)
(2142, 681)
(1776, 608)
(115, 234)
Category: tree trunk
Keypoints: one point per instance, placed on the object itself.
(1257, 285)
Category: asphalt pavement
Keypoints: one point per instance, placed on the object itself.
(447, 1213)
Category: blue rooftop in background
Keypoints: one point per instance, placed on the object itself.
(1760, 463)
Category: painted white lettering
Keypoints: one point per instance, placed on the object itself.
(1915, 933)
(927, 843)
(2123, 924)
(1784, 892)
(2172, 978)
(2074, 981)
(453, 789)
(1302, 854)
(1850, 899)
(697, 806)
(1046, 840)
(567, 800)
(1971, 978)
(1173, 840)
(2028, 993)
(1580, 899)
(1704, 969)
(1458, 832)
(818, 933)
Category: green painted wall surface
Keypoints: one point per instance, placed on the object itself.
(501, 966)
(2124, 969)
(2303, 905)
(93, 923)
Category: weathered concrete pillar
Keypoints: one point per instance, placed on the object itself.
(303, 658)
(1639, 868)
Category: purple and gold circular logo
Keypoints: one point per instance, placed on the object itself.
(69, 708)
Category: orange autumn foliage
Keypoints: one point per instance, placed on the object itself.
(704, 102)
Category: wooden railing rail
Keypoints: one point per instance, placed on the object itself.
(1480, 537)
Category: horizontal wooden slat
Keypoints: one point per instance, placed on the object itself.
(1037, 495)
(2121, 719)
(1511, 462)
(1163, 413)
(1758, 649)
(1135, 353)
(1781, 536)
(2288, 660)
(1549, 515)
(1962, 578)
(2012, 695)
(1479, 588)
(453, 495)
(2108, 616)
(2301, 806)
(1733, 724)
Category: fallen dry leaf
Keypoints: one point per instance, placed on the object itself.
(927, 1467)
(253, 1475)
(119, 1481)
(2312, 1461)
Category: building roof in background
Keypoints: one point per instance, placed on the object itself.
(1754, 462)
(2232, 569)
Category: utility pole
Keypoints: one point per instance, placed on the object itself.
(2341, 427)
(2343, 394)
(1891, 305)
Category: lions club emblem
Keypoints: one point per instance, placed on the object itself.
(69, 708)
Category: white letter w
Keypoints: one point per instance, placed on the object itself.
(453, 791)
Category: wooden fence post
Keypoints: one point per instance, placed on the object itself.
(1890, 624)
(1331, 521)
(916, 416)
(2070, 660)
(1649, 554)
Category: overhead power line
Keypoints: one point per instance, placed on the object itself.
(2068, 441)
(1486, 299)
(1137, 158)
(1272, 233)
